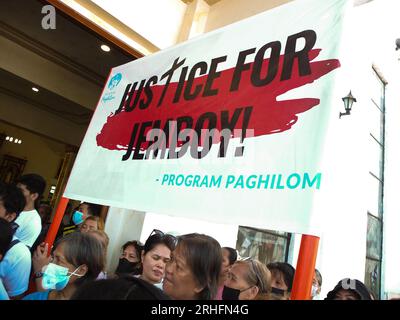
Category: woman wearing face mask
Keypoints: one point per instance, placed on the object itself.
(248, 280)
(282, 278)
(76, 259)
(194, 269)
(130, 260)
(229, 257)
(156, 254)
(316, 285)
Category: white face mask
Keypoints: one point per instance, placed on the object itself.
(314, 290)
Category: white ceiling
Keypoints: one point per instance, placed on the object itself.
(71, 47)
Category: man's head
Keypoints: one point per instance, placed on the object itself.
(84, 211)
(90, 209)
(12, 202)
(32, 187)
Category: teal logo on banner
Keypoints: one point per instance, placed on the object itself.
(112, 84)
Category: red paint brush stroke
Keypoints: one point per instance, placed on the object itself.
(269, 116)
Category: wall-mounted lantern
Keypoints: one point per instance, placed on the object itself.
(348, 103)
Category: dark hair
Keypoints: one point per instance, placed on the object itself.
(232, 255)
(13, 198)
(159, 238)
(124, 288)
(360, 290)
(47, 209)
(82, 248)
(136, 244)
(287, 271)
(6, 235)
(319, 277)
(93, 209)
(35, 184)
(203, 256)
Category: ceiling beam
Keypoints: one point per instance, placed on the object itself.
(49, 54)
(47, 74)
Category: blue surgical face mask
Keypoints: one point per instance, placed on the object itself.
(77, 217)
(56, 277)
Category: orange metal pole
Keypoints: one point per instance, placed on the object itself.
(51, 234)
(303, 277)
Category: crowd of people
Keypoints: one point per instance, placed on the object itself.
(188, 267)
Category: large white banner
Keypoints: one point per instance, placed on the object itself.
(228, 127)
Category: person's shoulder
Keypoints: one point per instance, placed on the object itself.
(30, 215)
(21, 247)
(21, 217)
(39, 295)
(18, 251)
(35, 216)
